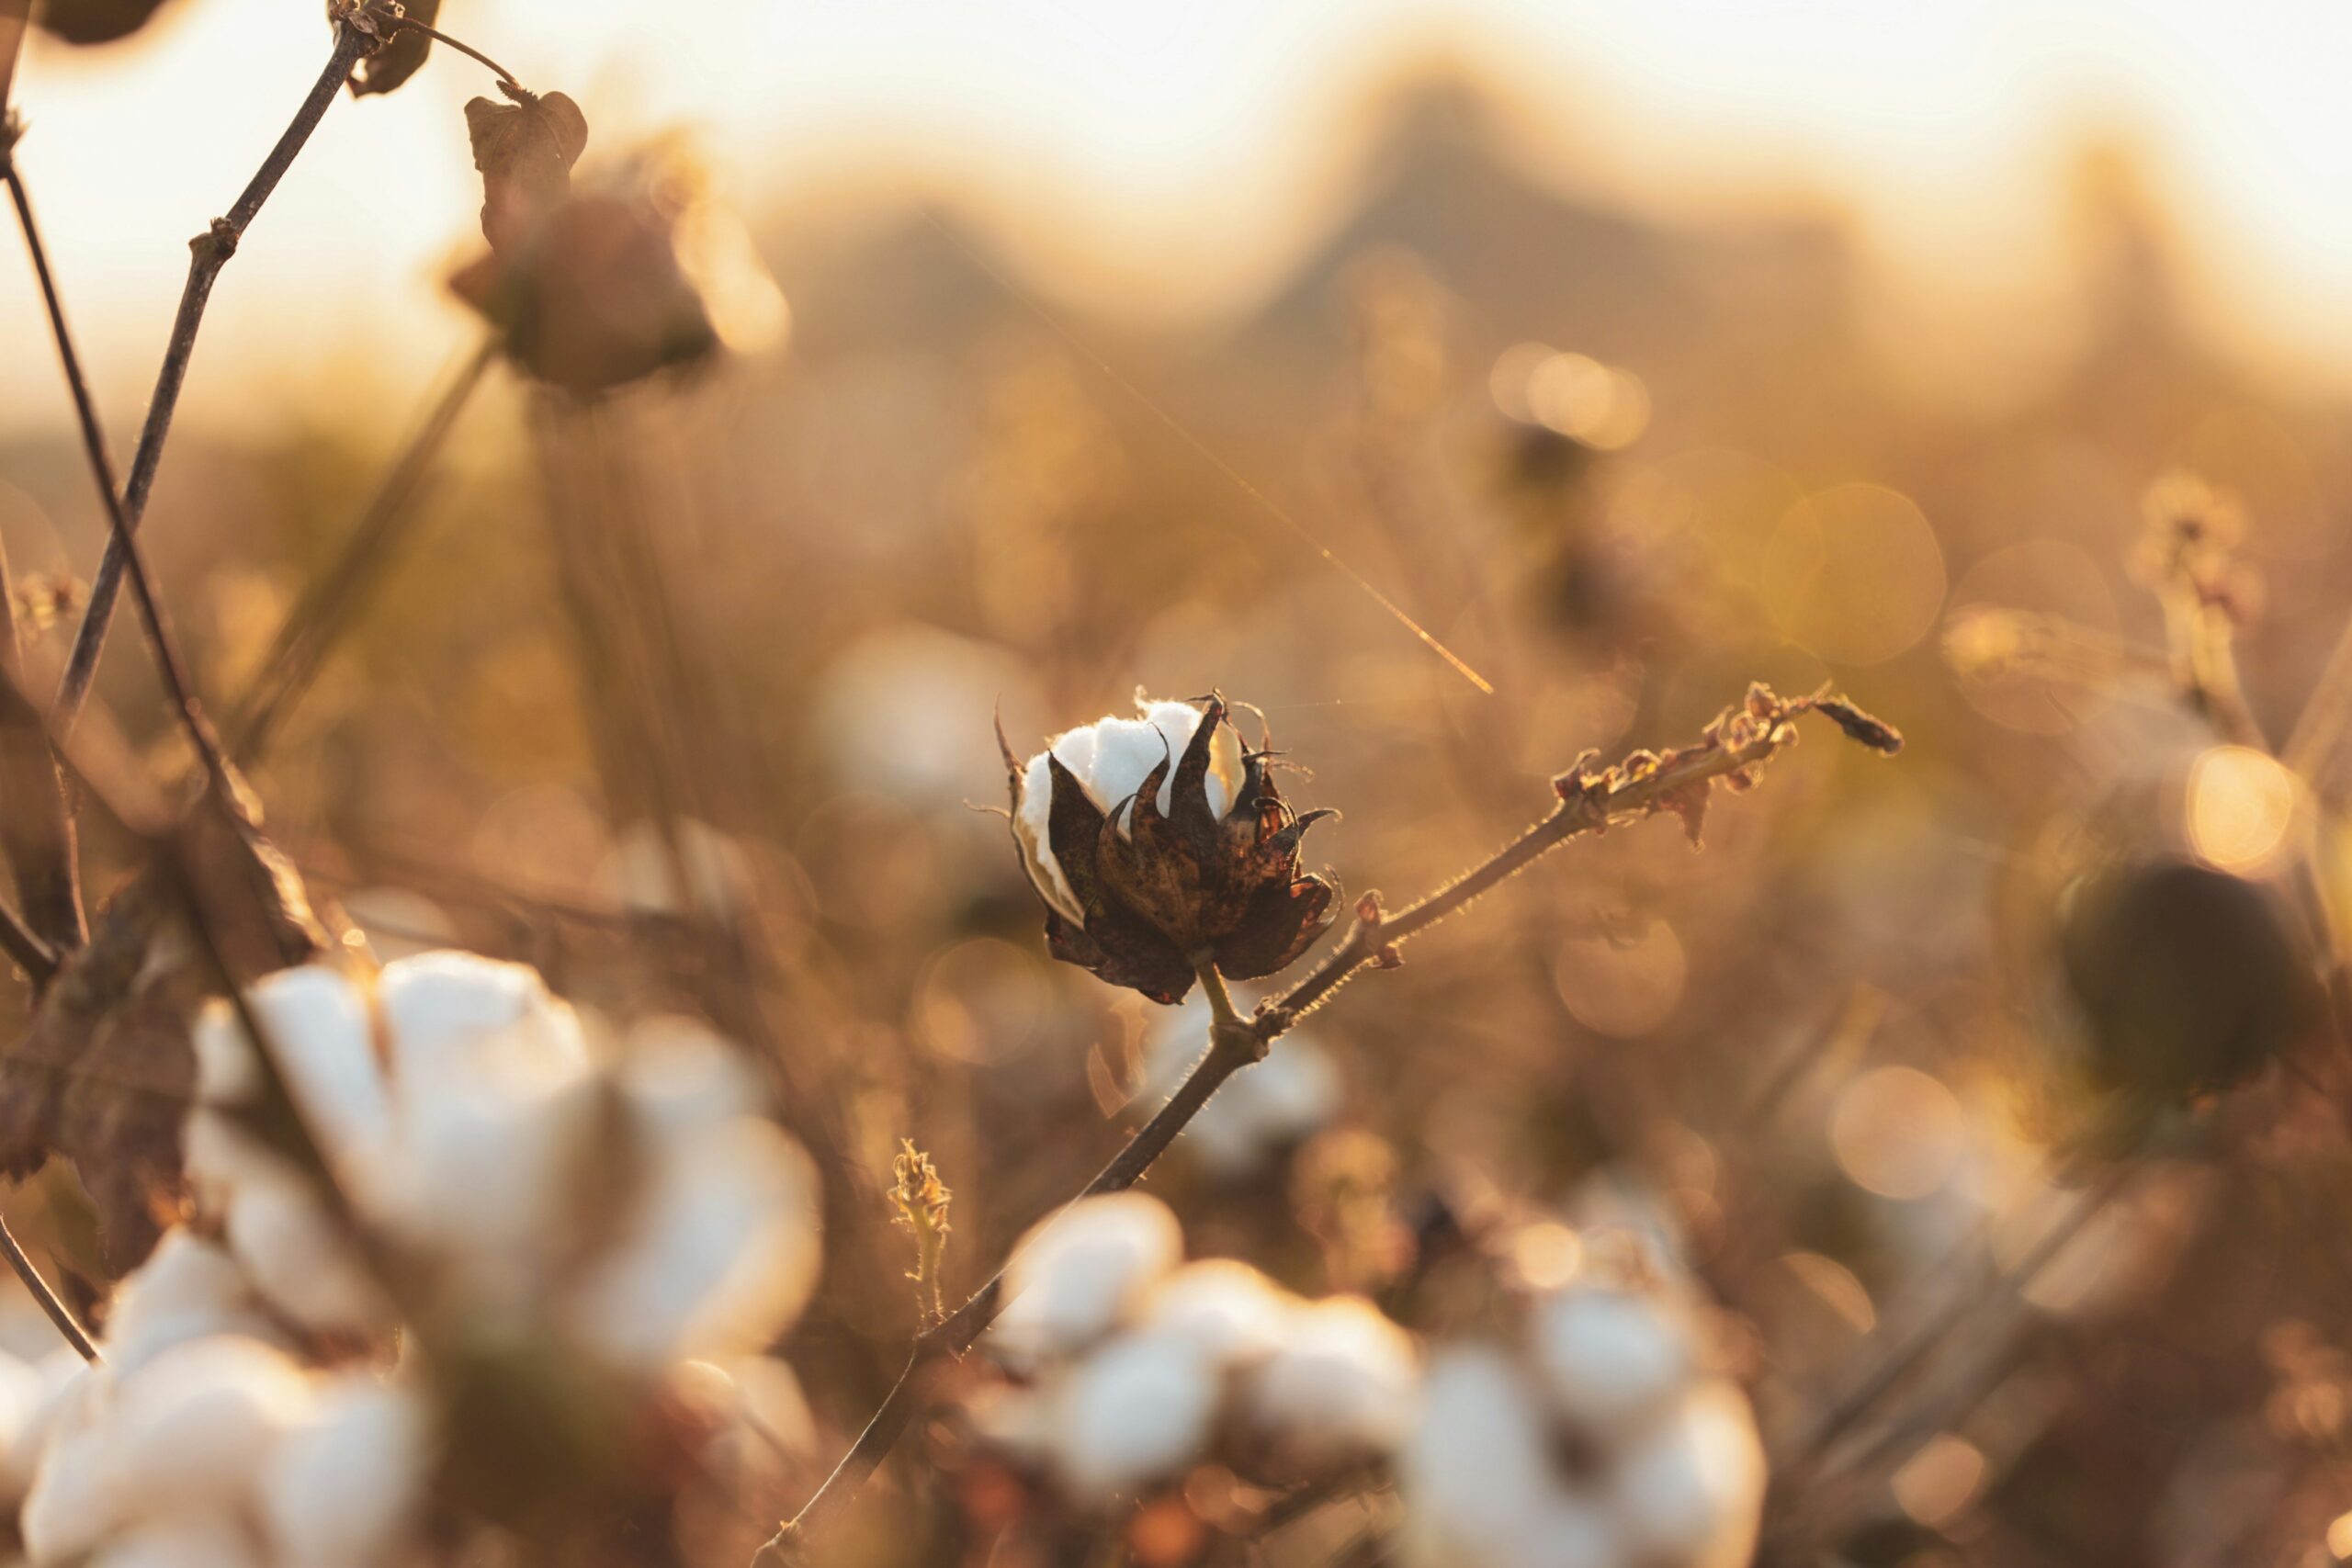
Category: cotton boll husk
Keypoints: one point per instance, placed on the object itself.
(191, 1428)
(1078, 1273)
(1136, 1410)
(213, 1542)
(188, 1288)
(1228, 1309)
(1474, 1472)
(342, 1487)
(1691, 1489)
(719, 1254)
(1609, 1357)
(1337, 1390)
(299, 1260)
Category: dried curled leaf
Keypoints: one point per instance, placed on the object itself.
(402, 54)
(525, 152)
(94, 21)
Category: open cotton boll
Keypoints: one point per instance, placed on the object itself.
(22, 1393)
(1473, 1473)
(1691, 1489)
(1136, 1410)
(344, 1486)
(77, 1497)
(1338, 1389)
(1080, 1272)
(188, 1288)
(719, 1254)
(440, 1007)
(1226, 1307)
(319, 1030)
(1609, 1357)
(56, 1377)
(299, 1259)
(1111, 758)
(190, 1429)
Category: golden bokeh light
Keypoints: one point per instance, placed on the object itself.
(1935, 1485)
(2241, 805)
(1897, 1132)
(1854, 574)
(1623, 988)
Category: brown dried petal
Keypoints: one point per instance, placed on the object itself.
(1280, 923)
(402, 54)
(525, 153)
(1123, 953)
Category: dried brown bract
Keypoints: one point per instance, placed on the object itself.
(1196, 863)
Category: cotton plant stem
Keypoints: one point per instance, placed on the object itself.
(328, 602)
(1589, 804)
(209, 252)
(59, 1313)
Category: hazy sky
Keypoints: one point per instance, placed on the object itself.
(1184, 148)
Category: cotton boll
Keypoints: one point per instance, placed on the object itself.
(181, 1543)
(679, 1076)
(1690, 1491)
(1474, 1473)
(1078, 1273)
(1111, 758)
(77, 1498)
(299, 1260)
(1135, 1411)
(190, 1429)
(187, 1289)
(316, 1025)
(1569, 1530)
(60, 1374)
(23, 1392)
(719, 1254)
(1227, 1308)
(1338, 1388)
(1609, 1357)
(440, 1007)
(343, 1487)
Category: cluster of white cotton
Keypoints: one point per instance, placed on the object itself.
(1597, 1439)
(1272, 1106)
(252, 1408)
(639, 1208)
(202, 1441)
(1128, 1366)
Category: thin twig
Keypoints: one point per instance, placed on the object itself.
(209, 252)
(59, 1313)
(119, 538)
(311, 628)
(410, 24)
(1589, 802)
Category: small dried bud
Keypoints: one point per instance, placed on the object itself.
(1874, 733)
(1146, 857)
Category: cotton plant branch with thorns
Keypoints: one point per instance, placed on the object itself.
(1159, 848)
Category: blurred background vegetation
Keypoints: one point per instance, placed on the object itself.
(1622, 443)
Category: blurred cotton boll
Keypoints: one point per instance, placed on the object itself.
(903, 711)
(1337, 1389)
(1260, 1114)
(1078, 1274)
(1595, 1436)
(469, 1133)
(1138, 1410)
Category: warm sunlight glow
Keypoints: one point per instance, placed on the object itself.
(2241, 805)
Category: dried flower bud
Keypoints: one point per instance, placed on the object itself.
(1145, 866)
